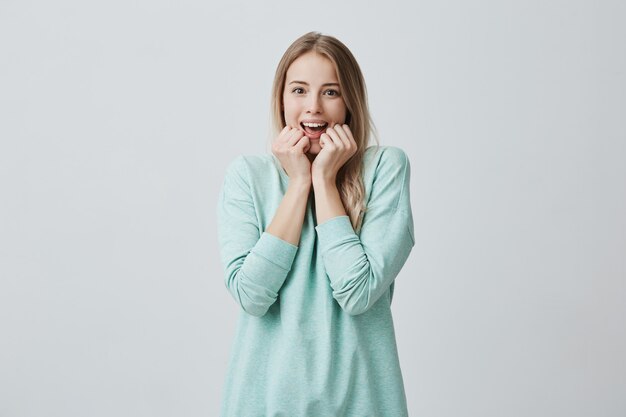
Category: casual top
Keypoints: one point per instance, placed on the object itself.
(315, 334)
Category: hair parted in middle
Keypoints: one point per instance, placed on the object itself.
(354, 92)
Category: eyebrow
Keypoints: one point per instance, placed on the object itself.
(305, 83)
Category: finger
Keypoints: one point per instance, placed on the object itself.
(287, 134)
(334, 137)
(346, 128)
(295, 136)
(343, 136)
(325, 140)
(351, 144)
(303, 144)
(281, 134)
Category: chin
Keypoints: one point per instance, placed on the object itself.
(314, 149)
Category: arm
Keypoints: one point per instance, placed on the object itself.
(256, 263)
(362, 267)
(327, 200)
(290, 149)
(288, 220)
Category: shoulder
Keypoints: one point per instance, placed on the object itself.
(389, 178)
(250, 166)
(386, 159)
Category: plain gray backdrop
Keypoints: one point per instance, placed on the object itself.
(117, 120)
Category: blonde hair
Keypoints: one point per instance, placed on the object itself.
(350, 176)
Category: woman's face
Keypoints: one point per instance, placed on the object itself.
(312, 99)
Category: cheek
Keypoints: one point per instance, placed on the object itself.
(290, 110)
(340, 111)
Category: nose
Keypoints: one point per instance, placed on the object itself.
(314, 104)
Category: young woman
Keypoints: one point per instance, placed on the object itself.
(311, 238)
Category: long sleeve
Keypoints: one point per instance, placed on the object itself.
(362, 267)
(255, 263)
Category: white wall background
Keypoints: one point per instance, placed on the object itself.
(117, 120)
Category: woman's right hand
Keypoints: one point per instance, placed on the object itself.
(290, 148)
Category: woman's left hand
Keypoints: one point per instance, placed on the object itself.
(338, 146)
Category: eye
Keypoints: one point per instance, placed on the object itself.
(298, 90)
(334, 93)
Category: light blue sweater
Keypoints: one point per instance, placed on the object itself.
(315, 335)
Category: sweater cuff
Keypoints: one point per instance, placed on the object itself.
(276, 250)
(334, 229)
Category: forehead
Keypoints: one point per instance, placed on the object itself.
(312, 68)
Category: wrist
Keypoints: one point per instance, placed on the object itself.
(324, 182)
(300, 183)
(324, 178)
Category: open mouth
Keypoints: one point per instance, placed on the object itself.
(314, 129)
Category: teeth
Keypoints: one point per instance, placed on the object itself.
(314, 124)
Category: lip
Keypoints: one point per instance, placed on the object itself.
(316, 135)
(313, 121)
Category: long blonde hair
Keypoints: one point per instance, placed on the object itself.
(350, 176)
